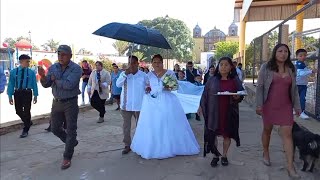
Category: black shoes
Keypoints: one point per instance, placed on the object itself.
(224, 161)
(48, 129)
(215, 160)
(24, 134)
(126, 150)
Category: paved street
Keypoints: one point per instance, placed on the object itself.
(98, 155)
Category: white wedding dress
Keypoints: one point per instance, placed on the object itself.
(163, 130)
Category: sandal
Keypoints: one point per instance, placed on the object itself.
(265, 161)
(214, 162)
(224, 161)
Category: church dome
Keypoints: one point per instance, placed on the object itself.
(215, 33)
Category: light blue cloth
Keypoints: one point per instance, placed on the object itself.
(186, 87)
(189, 96)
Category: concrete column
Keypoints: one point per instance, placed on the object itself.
(285, 34)
(242, 42)
(265, 48)
(299, 27)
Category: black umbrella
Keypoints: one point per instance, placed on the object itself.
(133, 33)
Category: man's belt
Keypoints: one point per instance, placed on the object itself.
(64, 99)
(22, 90)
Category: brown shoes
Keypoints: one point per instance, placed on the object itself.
(126, 150)
(65, 164)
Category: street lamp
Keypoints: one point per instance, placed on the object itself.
(29, 36)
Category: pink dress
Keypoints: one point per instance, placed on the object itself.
(277, 110)
(224, 101)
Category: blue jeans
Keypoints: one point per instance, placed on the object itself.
(84, 85)
(302, 94)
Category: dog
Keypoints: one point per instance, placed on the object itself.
(308, 144)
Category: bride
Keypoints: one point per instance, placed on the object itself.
(163, 130)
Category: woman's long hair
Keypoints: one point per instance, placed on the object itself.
(272, 63)
(231, 74)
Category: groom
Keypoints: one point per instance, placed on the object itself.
(132, 81)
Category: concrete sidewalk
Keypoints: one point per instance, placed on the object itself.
(98, 155)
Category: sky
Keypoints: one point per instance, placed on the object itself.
(74, 21)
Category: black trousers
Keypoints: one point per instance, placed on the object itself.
(65, 112)
(98, 104)
(22, 103)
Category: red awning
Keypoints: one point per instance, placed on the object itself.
(24, 44)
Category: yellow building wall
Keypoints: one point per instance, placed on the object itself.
(232, 38)
(198, 48)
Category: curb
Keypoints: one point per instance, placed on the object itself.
(36, 120)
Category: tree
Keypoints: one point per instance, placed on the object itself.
(226, 48)
(107, 63)
(50, 45)
(121, 47)
(177, 34)
(139, 55)
(83, 51)
(249, 54)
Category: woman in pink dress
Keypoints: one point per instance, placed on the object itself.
(276, 96)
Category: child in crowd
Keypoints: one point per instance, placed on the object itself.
(198, 80)
(181, 76)
(303, 72)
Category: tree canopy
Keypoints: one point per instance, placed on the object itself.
(177, 34)
(121, 47)
(226, 48)
(51, 45)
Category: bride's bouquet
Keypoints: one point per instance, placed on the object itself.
(170, 83)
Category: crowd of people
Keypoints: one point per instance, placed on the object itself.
(162, 127)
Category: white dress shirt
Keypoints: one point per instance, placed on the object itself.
(239, 72)
(133, 90)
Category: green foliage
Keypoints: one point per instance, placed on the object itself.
(249, 54)
(226, 48)
(51, 45)
(121, 47)
(139, 55)
(107, 64)
(177, 34)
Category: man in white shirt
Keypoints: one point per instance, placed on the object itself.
(133, 83)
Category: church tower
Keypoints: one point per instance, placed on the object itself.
(198, 44)
(233, 33)
(233, 30)
(197, 31)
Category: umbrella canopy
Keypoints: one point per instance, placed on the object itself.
(133, 33)
(23, 44)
